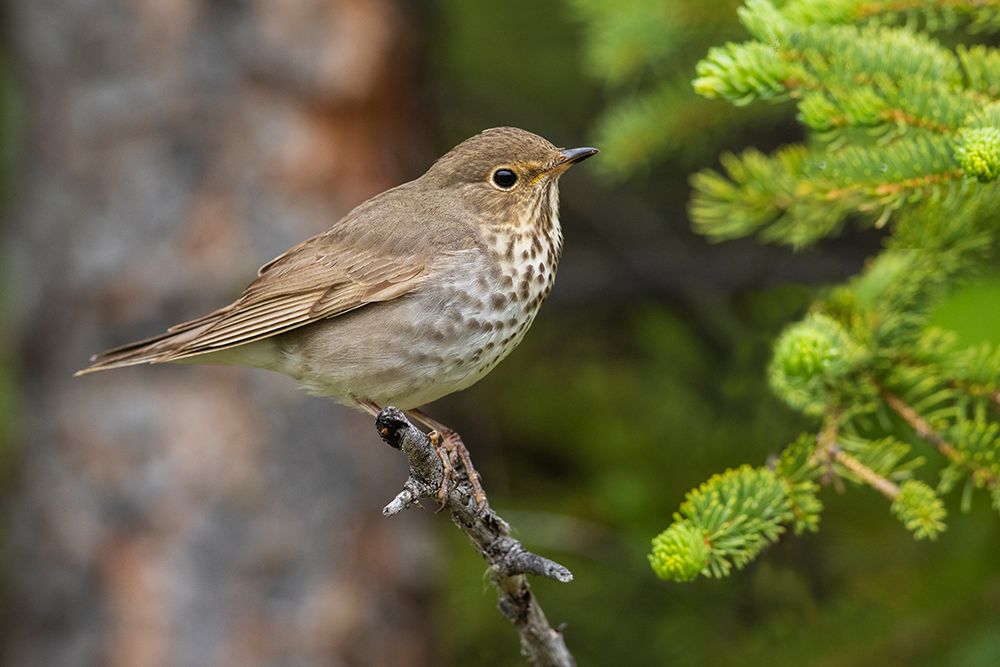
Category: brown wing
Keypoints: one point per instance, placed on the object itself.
(352, 265)
(313, 282)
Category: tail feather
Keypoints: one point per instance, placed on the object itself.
(167, 346)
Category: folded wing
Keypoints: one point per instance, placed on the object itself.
(320, 278)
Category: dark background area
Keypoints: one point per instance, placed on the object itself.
(156, 153)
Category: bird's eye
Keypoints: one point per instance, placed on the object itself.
(504, 178)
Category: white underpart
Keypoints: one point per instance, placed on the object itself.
(436, 341)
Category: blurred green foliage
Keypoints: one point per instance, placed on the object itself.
(10, 130)
(603, 433)
(972, 312)
(506, 67)
(902, 132)
(643, 53)
(610, 410)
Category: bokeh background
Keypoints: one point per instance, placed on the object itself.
(155, 153)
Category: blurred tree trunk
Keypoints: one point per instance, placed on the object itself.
(187, 515)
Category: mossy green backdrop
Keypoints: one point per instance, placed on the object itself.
(639, 380)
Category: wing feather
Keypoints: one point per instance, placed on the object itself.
(367, 257)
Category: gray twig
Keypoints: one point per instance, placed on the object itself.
(508, 560)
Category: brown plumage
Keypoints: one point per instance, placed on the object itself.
(418, 292)
(351, 265)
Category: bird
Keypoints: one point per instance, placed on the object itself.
(416, 293)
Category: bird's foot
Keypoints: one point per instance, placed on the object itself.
(450, 448)
(447, 468)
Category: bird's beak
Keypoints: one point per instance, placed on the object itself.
(570, 156)
(574, 155)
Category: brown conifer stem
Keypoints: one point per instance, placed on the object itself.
(925, 431)
(866, 474)
(829, 450)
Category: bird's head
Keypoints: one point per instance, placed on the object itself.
(506, 174)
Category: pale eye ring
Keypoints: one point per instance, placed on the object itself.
(504, 178)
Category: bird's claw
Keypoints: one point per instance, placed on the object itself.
(448, 448)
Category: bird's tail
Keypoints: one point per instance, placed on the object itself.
(167, 346)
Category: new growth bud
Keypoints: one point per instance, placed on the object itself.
(809, 358)
(679, 553)
(978, 152)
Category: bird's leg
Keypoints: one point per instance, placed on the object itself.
(370, 407)
(449, 443)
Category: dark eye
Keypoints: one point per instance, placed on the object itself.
(504, 178)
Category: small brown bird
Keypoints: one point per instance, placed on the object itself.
(416, 293)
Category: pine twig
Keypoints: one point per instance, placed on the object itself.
(888, 489)
(826, 448)
(829, 450)
(921, 426)
(508, 560)
(925, 431)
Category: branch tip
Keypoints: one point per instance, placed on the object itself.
(508, 560)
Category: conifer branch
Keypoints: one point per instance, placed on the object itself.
(723, 525)
(921, 427)
(828, 449)
(913, 502)
(980, 15)
(926, 432)
(866, 474)
(903, 128)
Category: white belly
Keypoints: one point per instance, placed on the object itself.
(442, 338)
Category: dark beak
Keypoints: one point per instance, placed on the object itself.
(568, 157)
(574, 155)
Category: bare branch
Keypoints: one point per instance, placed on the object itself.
(508, 560)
